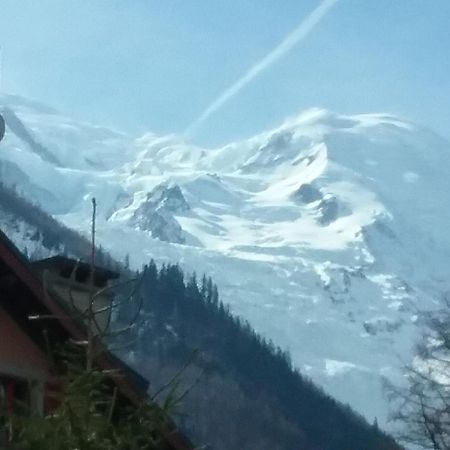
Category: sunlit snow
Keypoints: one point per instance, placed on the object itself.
(328, 233)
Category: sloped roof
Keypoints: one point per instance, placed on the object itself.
(15, 268)
(67, 265)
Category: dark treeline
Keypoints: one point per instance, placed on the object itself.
(53, 236)
(258, 400)
(248, 396)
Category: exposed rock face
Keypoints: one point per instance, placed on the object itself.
(328, 207)
(2, 127)
(274, 151)
(316, 231)
(164, 228)
(155, 214)
(380, 325)
(122, 200)
(307, 193)
(329, 210)
(19, 129)
(168, 198)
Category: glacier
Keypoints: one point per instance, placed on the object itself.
(328, 233)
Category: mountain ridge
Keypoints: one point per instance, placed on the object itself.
(242, 374)
(338, 280)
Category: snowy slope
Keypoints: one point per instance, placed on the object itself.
(329, 233)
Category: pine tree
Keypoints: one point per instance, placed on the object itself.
(90, 413)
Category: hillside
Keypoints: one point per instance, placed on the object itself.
(328, 233)
(239, 390)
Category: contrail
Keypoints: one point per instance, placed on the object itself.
(294, 38)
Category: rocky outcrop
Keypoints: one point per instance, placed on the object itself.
(156, 213)
(307, 193)
(19, 129)
(329, 210)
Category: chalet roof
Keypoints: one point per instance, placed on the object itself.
(67, 265)
(22, 295)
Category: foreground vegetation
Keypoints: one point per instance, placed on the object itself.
(242, 392)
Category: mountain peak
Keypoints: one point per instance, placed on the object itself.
(326, 233)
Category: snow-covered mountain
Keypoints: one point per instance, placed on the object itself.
(328, 233)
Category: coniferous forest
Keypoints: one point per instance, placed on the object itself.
(242, 390)
(237, 389)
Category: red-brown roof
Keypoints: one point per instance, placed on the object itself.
(15, 267)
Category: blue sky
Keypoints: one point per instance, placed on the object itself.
(156, 65)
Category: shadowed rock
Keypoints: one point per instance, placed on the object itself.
(155, 214)
(2, 127)
(19, 129)
(307, 193)
(329, 210)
